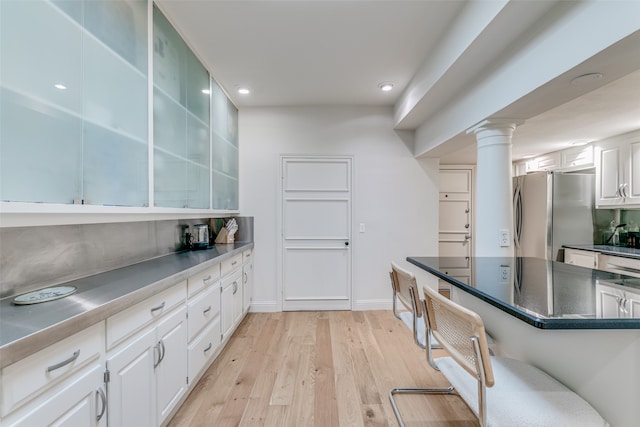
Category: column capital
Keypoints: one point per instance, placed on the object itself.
(505, 125)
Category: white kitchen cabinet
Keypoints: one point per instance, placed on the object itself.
(148, 365)
(615, 301)
(204, 326)
(231, 302)
(620, 265)
(247, 279)
(171, 366)
(59, 385)
(581, 258)
(79, 402)
(132, 383)
(618, 171)
(546, 162)
(577, 158)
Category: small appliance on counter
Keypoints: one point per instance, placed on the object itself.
(199, 239)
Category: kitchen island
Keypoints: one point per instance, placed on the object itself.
(559, 318)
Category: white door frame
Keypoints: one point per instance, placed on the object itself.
(280, 226)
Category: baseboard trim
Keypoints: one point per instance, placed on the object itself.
(373, 304)
(264, 307)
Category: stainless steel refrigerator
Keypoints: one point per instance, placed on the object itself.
(551, 210)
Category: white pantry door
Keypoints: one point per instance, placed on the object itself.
(316, 233)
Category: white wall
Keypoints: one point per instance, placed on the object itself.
(394, 195)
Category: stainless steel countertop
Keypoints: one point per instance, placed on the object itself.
(27, 329)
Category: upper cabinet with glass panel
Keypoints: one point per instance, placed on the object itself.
(73, 121)
(225, 150)
(74, 110)
(181, 115)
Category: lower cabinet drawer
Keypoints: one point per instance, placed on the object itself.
(127, 322)
(39, 372)
(228, 265)
(202, 310)
(202, 349)
(199, 281)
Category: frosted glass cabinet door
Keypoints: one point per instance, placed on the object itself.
(225, 150)
(169, 58)
(40, 124)
(180, 121)
(74, 122)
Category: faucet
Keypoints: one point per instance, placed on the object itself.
(614, 232)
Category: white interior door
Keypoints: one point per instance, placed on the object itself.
(316, 233)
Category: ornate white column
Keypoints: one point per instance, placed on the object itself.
(493, 227)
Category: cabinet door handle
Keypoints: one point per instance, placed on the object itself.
(156, 349)
(206, 279)
(159, 307)
(623, 305)
(163, 350)
(624, 190)
(103, 400)
(208, 348)
(235, 287)
(65, 362)
(206, 310)
(234, 263)
(245, 277)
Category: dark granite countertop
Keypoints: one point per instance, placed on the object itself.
(609, 250)
(544, 294)
(25, 329)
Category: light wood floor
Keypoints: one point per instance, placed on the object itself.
(319, 369)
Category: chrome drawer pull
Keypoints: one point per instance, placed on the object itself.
(208, 309)
(73, 357)
(208, 348)
(234, 262)
(206, 279)
(160, 307)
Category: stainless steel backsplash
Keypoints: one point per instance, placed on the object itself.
(36, 257)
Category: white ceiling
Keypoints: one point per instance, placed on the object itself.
(314, 52)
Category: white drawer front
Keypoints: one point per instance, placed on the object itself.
(247, 256)
(231, 264)
(35, 374)
(203, 348)
(199, 281)
(127, 322)
(203, 309)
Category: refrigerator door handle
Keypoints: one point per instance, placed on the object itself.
(517, 211)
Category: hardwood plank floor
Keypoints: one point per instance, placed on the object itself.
(330, 368)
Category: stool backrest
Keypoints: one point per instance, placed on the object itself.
(406, 289)
(454, 327)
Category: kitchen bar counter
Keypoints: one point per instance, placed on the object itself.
(609, 250)
(25, 329)
(549, 318)
(544, 294)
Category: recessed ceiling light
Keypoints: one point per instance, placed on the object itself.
(206, 91)
(386, 86)
(59, 86)
(244, 91)
(586, 78)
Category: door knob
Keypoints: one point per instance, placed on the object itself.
(467, 237)
(346, 243)
(466, 226)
